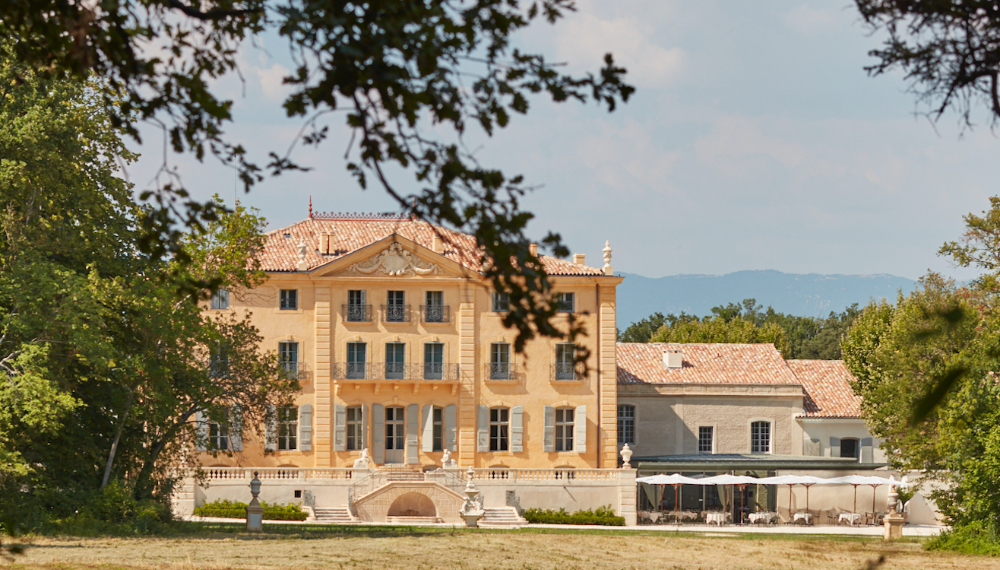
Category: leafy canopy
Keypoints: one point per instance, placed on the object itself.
(402, 72)
(747, 321)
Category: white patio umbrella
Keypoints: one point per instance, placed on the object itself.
(676, 480)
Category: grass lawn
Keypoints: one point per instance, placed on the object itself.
(218, 546)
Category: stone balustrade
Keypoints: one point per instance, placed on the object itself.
(277, 473)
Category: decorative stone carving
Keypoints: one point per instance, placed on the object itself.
(302, 266)
(363, 462)
(447, 462)
(472, 510)
(608, 270)
(626, 455)
(395, 261)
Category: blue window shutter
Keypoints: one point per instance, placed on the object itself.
(517, 429)
(305, 427)
(451, 427)
(378, 433)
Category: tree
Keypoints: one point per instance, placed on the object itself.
(805, 337)
(927, 373)
(949, 51)
(105, 367)
(718, 329)
(394, 67)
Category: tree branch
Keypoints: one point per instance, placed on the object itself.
(212, 15)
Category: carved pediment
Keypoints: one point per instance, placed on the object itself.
(394, 261)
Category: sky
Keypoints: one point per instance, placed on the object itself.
(755, 140)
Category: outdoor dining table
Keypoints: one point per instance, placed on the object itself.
(718, 518)
(762, 517)
(802, 516)
(654, 517)
(850, 518)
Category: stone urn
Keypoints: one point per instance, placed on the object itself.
(626, 456)
(896, 518)
(471, 510)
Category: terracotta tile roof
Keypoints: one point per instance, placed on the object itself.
(354, 232)
(703, 364)
(828, 388)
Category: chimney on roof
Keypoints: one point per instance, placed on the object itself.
(438, 243)
(673, 359)
(580, 258)
(324, 243)
(533, 249)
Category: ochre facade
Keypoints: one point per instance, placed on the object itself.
(396, 263)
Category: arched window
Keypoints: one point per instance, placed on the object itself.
(760, 437)
(626, 424)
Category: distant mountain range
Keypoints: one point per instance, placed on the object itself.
(807, 295)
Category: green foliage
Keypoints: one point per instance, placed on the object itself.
(972, 538)
(927, 372)
(103, 365)
(223, 508)
(404, 73)
(748, 322)
(599, 516)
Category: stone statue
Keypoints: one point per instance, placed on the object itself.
(363, 462)
(447, 461)
(608, 270)
(302, 265)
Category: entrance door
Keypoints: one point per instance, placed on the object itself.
(395, 434)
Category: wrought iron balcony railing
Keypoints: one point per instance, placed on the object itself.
(297, 369)
(567, 371)
(395, 313)
(357, 313)
(435, 314)
(394, 371)
(501, 371)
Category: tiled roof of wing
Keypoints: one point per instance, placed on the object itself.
(827, 384)
(642, 363)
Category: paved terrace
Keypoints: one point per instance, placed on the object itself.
(908, 530)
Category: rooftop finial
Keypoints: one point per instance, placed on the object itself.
(310, 207)
(608, 270)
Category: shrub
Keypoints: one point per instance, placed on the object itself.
(225, 509)
(971, 538)
(600, 515)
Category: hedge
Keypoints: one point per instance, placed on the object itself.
(224, 509)
(602, 516)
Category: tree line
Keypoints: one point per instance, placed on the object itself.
(105, 354)
(748, 322)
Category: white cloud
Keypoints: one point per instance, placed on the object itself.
(271, 82)
(807, 20)
(583, 39)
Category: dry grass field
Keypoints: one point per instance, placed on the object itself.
(483, 550)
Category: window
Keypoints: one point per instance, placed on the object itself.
(289, 300)
(288, 357)
(355, 429)
(434, 311)
(288, 427)
(395, 428)
(499, 429)
(760, 437)
(395, 361)
(849, 447)
(564, 429)
(564, 302)
(218, 433)
(438, 429)
(356, 363)
(433, 361)
(220, 299)
(357, 310)
(565, 361)
(706, 439)
(219, 365)
(626, 424)
(499, 361)
(395, 307)
(501, 302)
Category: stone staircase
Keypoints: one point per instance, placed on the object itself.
(413, 520)
(402, 473)
(502, 517)
(333, 515)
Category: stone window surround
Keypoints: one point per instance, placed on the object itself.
(770, 433)
(715, 438)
